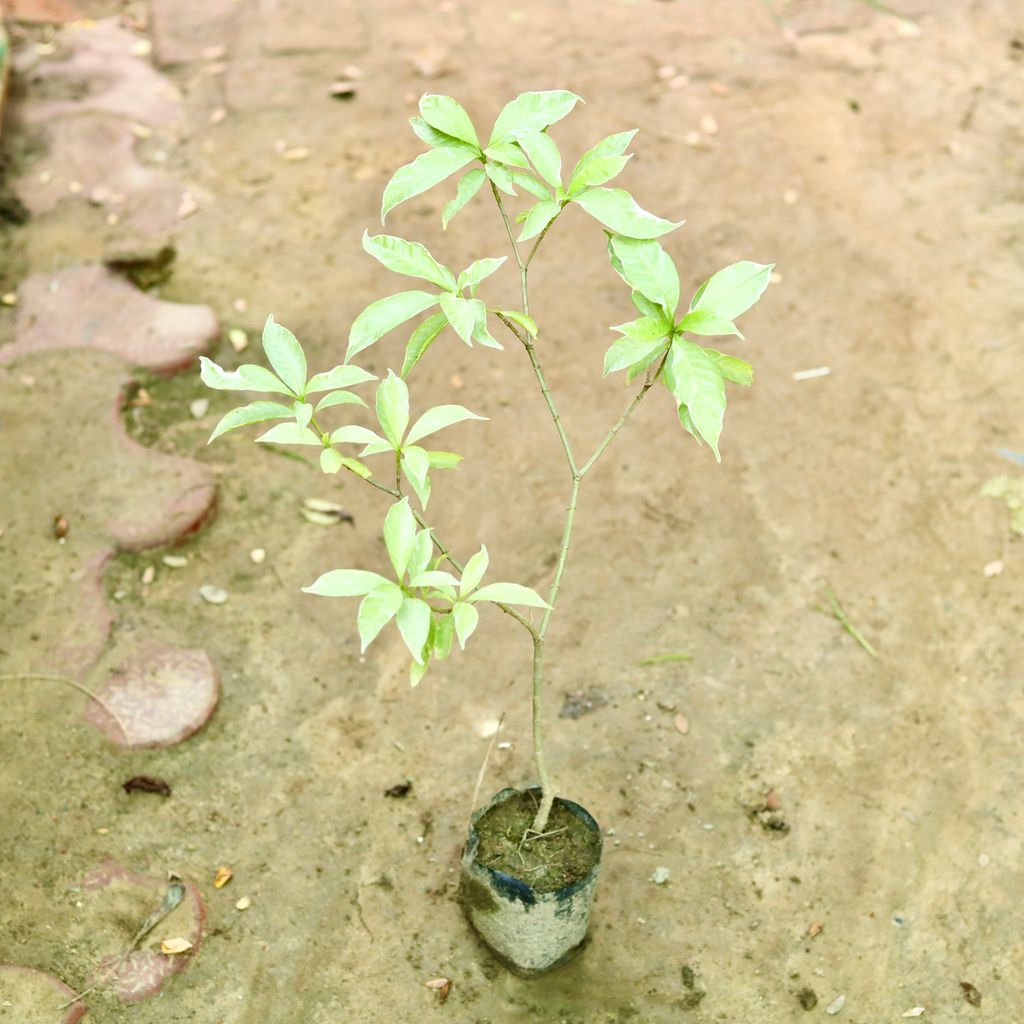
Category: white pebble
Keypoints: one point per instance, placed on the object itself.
(199, 408)
(213, 595)
(257, 556)
(993, 569)
(174, 561)
(660, 876)
(836, 1005)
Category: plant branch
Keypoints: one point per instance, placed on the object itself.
(515, 248)
(540, 238)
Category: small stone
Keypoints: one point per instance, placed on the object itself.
(243, 904)
(257, 556)
(140, 131)
(342, 89)
(914, 1011)
(141, 48)
(74, 187)
(993, 569)
(239, 305)
(213, 595)
(218, 114)
(679, 82)
(660, 875)
(708, 124)
(187, 206)
(9, 299)
(199, 408)
(174, 561)
(148, 575)
(836, 1005)
(719, 88)
(238, 339)
(790, 196)
(776, 277)
(984, 860)
(351, 71)
(692, 138)
(297, 153)
(667, 71)
(214, 52)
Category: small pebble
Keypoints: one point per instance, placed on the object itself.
(243, 904)
(142, 48)
(679, 82)
(217, 115)
(174, 561)
(708, 827)
(667, 71)
(692, 138)
(199, 408)
(914, 1011)
(148, 575)
(993, 569)
(708, 124)
(238, 339)
(984, 860)
(187, 206)
(9, 298)
(239, 305)
(258, 556)
(836, 1005)
(790, 196)
(297, 153)
(660, 876)
(213, 595)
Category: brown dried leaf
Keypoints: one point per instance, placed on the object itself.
(815, 929)
(971, 994)
(172, 947)
(442, 986)
(223, 876)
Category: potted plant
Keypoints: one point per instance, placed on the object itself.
(531, 861)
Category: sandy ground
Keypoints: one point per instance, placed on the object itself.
(880, 168)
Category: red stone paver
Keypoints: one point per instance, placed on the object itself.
(92, 307)
(28, 996)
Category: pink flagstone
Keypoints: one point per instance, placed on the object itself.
(28, 996)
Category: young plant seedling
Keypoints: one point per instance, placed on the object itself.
(432, 596)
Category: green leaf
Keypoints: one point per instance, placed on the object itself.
(289, 433)
(444, 631)
(424, 172)
(469, 185)
(338, 398)
(526, 322)
(416, 466)
(707, 322)
(414, 624)
(628, 351)
(466, 619)
(543, 154)
(645, 306)
(355, 466)
(339, 377)
(248, 377)
(399, 535)
(461, 314)
(610, 148)
(509, 593)
(506, 153)
(596, 172)
(634, 371)
(734, 290)
(422, 549)
(376, 448)
(474, 571)
(434, 578)
(439, 140)
(645, 266)
(696, 382)
(444, 460)
(418, 671)
(539, 216)
(255, 412)
(438, 418)
(351, 433)
(285, 355)
(477, 271)
(385, 315)
(502, 177)
(531, 184)
(481, 334)
(331, 460)
(449, 117)
(647, 328)
(376, 610)
(346, 583)
(393, 407)
(618, 210)
(422, 338)
(532, 112)
(409, 258)
(731, 368)
(303, 413)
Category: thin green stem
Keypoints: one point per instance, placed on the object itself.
(515, 249)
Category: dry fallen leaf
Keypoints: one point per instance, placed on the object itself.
(442, 986)
(223, 876)
(682, 724)
(914, 1011)
(172, 947)
(971, 994)
(815, 929)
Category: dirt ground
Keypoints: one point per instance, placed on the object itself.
(878, 164)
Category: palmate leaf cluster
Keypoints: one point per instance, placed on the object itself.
(428, 603)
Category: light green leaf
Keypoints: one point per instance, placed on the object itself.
(466, 619)
(346, 583)
(303, 413)
(423, 173)
(331, 460)
(531, 184)
(393, 407)
(526, 322)
(474, 571)
(434, 578)
(477, 271)
(444, 631)
(339, 377)
(248, 377)
(607, 149)
(439, 140)
(645, 266)
(422, 338)
(539, 216)
(255, 412)
(731, 368)
(635, 369)
(543, 154)
(351, 433)
(461, 314)
(481, 334)
(416, 466)
(385, 315)
(644, 304)
(418, 671)
(285, 355)
(399, 535)
(532, 112)
(596, 172)
(502, 177)
(444, 460)
(647, 328)
(409, 258)
(355, 466)
(414, 624)
(734, 290)
(376, 448)
(509, 593)
(289, 433)
(627, 351)
(449, 117)
(506, 153)
(422, 549)
(469, 185)
(338, 398)
(696, 382)
(707, 322)
(687, 422)
(438, 418)
(618, 210)
(376, 610)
